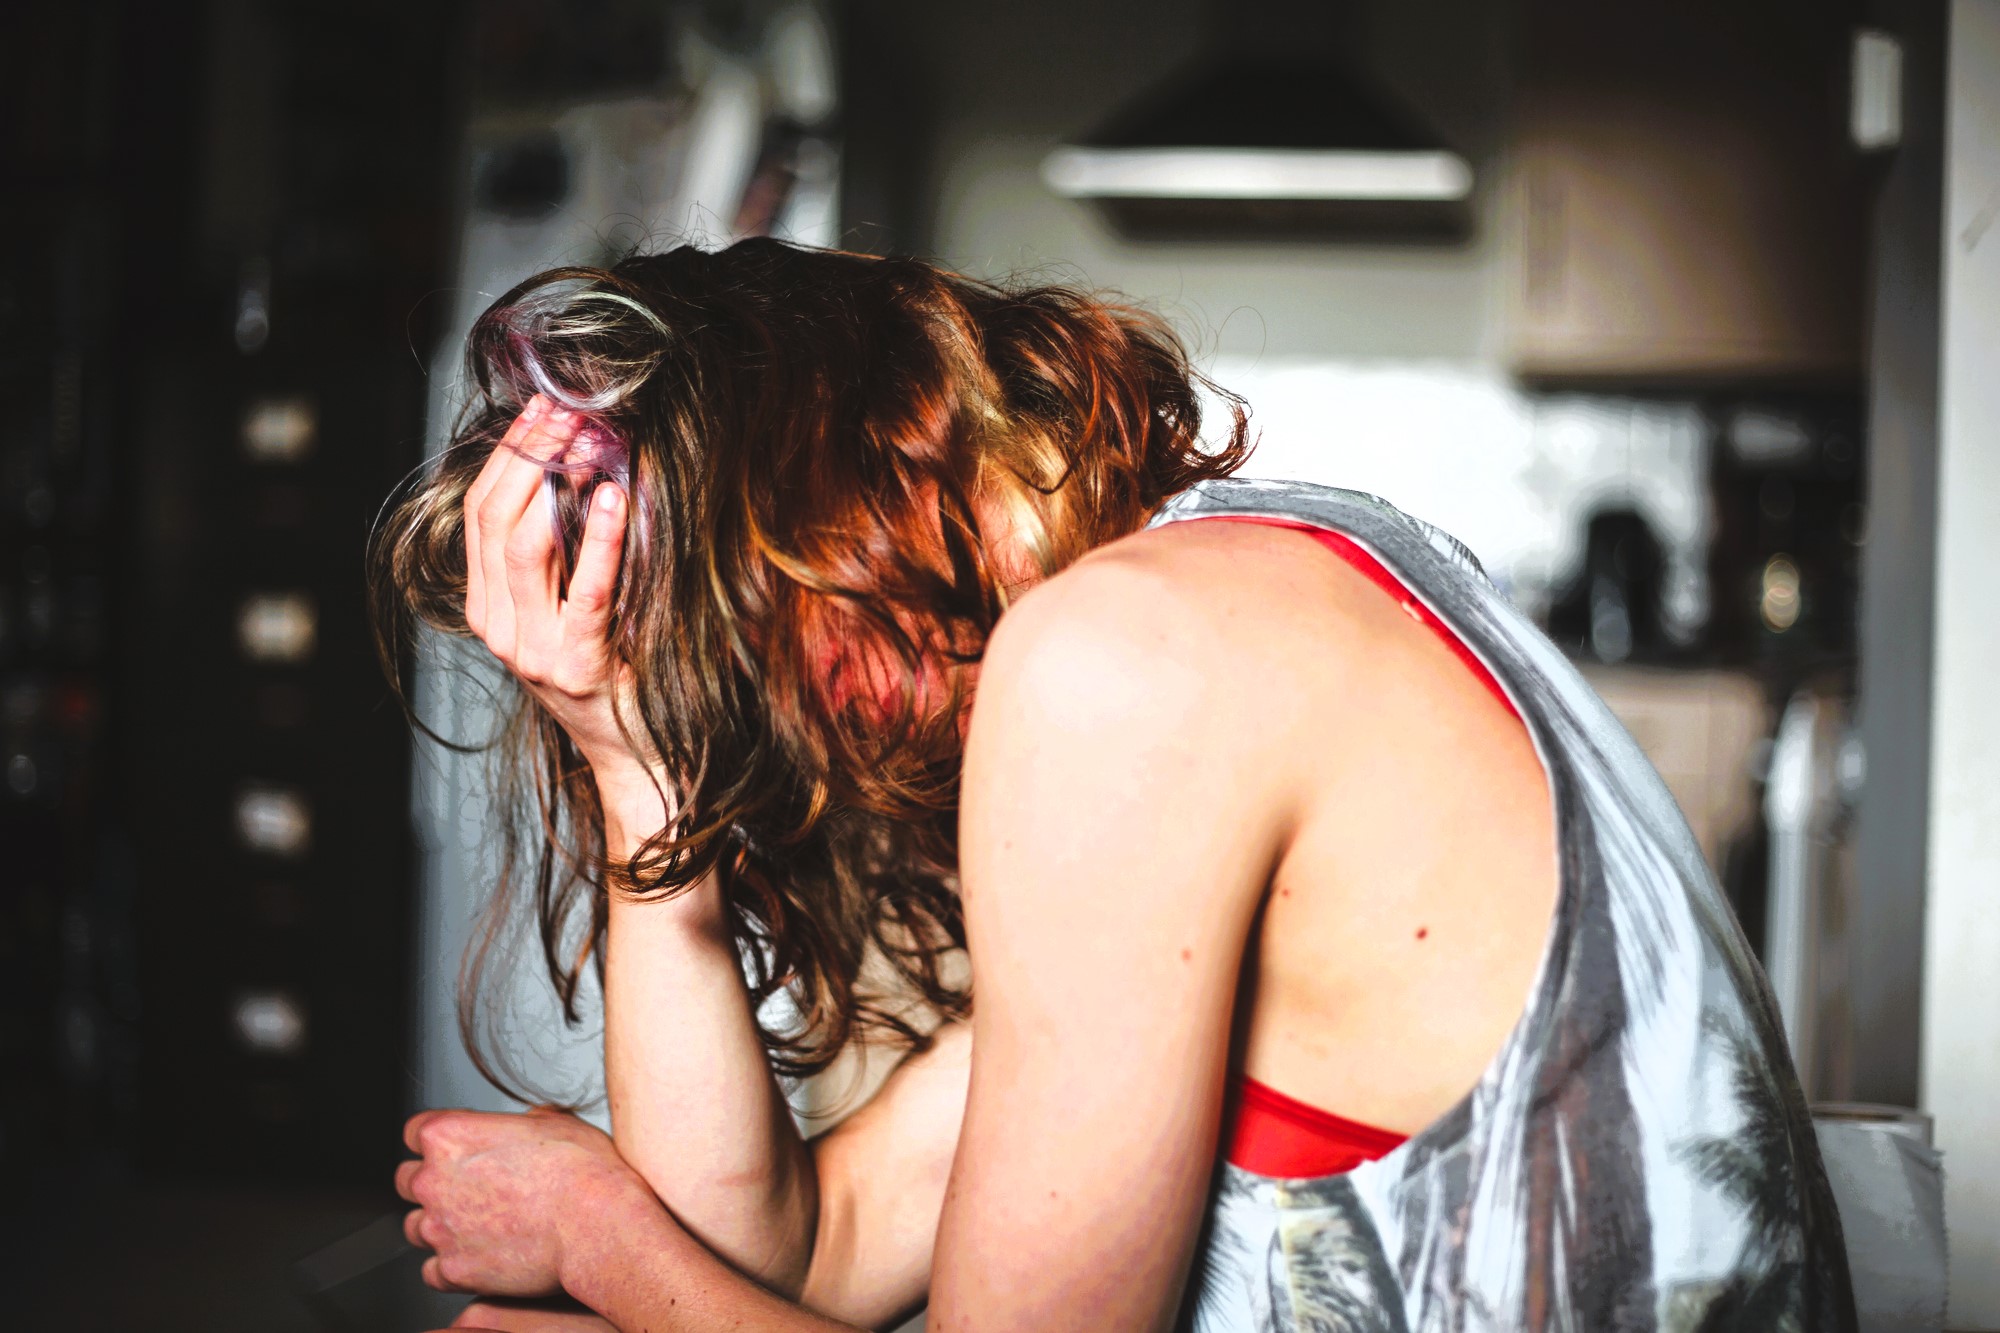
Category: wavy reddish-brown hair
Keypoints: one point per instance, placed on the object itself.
(840, 466)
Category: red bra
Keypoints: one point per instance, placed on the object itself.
(1276, 1135)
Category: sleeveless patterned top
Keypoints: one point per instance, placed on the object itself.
(1638, 1155)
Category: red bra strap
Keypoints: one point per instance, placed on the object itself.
(1378, 574)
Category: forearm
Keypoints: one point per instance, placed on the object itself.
(883, 1177)
(641, 1272)
(694, 1106)
(492, 1314)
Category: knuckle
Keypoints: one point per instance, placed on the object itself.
(531, 667)
(524, 550)
(574, 680)
(434, 1134)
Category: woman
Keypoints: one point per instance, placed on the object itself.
(1336, 961)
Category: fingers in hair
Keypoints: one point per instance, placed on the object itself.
(597, 561)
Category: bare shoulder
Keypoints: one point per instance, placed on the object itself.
(1234, 614)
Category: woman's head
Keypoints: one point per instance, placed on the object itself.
(840, 468)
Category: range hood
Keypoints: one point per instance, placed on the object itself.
(1254, 147)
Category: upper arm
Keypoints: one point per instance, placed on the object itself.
(1119, 819)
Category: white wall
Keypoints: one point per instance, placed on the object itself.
(1961, 1044)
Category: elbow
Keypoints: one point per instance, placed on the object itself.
(761, 1221)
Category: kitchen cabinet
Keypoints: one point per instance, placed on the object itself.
(1700, 729)
(1685, 203)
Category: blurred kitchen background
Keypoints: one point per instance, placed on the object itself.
(1677, 311)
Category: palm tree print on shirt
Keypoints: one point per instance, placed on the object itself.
(1643, 1107)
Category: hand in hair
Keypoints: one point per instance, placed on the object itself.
(553, 639)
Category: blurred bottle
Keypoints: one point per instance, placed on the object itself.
(1611, 611)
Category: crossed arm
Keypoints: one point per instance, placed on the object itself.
(542, 1205)
(843, 1223)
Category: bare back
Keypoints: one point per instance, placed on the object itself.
(1404, 923)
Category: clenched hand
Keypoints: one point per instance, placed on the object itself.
(496, 1195)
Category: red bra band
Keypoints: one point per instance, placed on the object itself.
(1280, 1136)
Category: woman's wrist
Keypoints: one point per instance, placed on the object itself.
(637, 803)
(615, 1237)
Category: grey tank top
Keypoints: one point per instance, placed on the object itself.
(1638, 1155)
